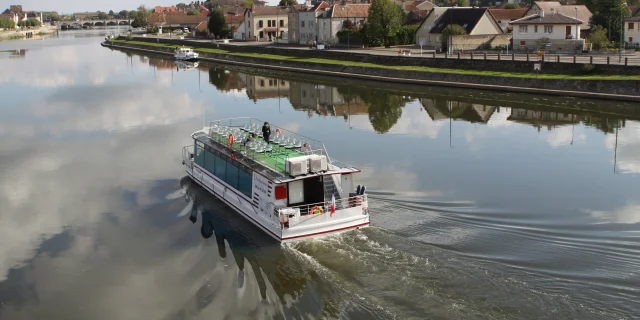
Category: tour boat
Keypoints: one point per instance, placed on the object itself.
(288, 187)
(183, 53)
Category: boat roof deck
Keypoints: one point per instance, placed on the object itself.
(271, 164)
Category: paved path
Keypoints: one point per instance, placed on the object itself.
(630, 57)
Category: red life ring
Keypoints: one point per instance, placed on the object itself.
(231, 139)
(233, 155)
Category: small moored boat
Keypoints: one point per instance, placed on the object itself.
(290, 188)
(183, 53)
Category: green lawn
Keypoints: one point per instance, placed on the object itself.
(411, 68)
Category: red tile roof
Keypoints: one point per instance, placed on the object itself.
(176, 18)
(269, 11)
(350, 10)
(507, 14)
(233, 19)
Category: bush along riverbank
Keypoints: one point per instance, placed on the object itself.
(619, 87)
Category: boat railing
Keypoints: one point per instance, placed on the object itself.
(312, 146)
(288, 216)
(187, 155)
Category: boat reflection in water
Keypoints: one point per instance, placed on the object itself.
(185, 65)
(260, 260)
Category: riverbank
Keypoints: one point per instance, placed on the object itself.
(611, 87)
(22, 34)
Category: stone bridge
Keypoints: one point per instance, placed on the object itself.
(101, 23)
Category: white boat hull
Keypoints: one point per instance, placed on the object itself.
(324, 224)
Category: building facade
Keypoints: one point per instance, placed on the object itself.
(333, 20)
(547, 32)
(303, 22)
(632, 31)
(266, 23)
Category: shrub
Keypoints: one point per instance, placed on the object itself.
(587, 68)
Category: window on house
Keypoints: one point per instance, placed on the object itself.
(269, 23)
(535, 29)
(630, 39)
(631, 26)
(523, 29)
(548, 29)
(281, 23)
(270, 83)
(273, 23)
(302, 24)
(259, 23)
(523, 43)
(262, 83)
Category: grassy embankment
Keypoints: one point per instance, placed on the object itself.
(410, 68)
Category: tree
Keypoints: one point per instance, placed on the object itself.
(384, 110)
(124, 14)
(607, 13)
(287, 3)
(218, 77)
(193, 12)
(598, 37)
(217, 25)
(139, 18)
(102, 15)
(385, 18)
(247, 3)
(111, 13)
(451, 30)
(6, 23)
(511, 5)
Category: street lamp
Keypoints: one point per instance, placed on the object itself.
(624, 4)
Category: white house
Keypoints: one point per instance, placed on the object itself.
(475, 21)
(266, 23)
(240, 33)
(632, 31)
(563, 32)
(580, 12)
(303, 21)
(423, 32)
(332, 20)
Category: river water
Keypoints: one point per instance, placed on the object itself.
(483, 205)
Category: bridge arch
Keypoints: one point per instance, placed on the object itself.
(123, 23)
(112, 23)
(88, 24)
(99, 24)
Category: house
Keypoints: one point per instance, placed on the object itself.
(333, 20)
(11, 16)
(632, 31)
(634, 10)
(303, 22)
(159, 9)
(415, 15)
(425, 6)
(176, 19)
(504, 16)
(580, 12)
(240, 33)
(476, 22)
(20, 15)
(562, 32)
(266, 23)
(423, 34)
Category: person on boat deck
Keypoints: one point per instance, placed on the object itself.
(266, 131)
(250, 137)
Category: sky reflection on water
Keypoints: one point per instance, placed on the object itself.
(94, 220)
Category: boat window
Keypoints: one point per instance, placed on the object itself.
(199, 153)
(232, 175)
(220, 168)
(209, 161)
(245, 182)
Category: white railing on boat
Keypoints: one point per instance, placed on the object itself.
(281, 138)
(187, 155)
(287, 216)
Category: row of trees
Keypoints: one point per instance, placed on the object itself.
(29, 23)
